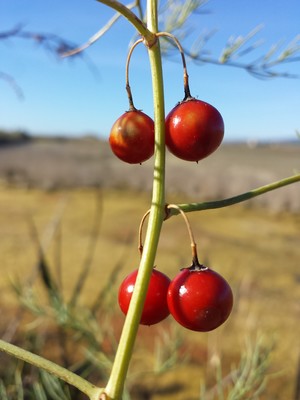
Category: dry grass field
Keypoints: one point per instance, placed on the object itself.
(234, 168)
(255, 247)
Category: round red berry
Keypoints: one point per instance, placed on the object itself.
(155, 306)
(194, 130)
(200, 300)
(132, 137)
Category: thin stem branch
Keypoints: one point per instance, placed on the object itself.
(148, 36)
(98, 34)
(188, 225)
(69, 377)
(236, 199)
(128, 88)
(187, 93)
(10, 80)
(90, 253)
(140, 246)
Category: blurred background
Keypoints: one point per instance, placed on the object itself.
(70, 211)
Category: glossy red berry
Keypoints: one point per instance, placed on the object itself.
(155, 306)
(194, 130)
(200, 300)
(132, 137)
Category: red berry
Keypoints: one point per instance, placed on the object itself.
(155, 306)
(194, 130)
(132, 137)
(200, 300)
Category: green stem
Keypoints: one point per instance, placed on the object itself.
(208, 205)
(149, 37)
(69, 377)
(117, 378)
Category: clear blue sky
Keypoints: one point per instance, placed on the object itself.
(65, 97)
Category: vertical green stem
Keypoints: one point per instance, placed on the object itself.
(114, 388)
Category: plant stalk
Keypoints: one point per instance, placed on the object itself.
(209, 205)
(84, 386)
(149, 37)
(115, 385)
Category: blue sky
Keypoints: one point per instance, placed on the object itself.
(68, 97)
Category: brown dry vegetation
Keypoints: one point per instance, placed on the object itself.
(256, 249)
(234, 168)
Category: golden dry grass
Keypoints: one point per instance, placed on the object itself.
(256, 251)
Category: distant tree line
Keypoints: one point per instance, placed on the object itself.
(13, 137)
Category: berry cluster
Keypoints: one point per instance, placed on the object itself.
(193, 129)
(198, 298)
